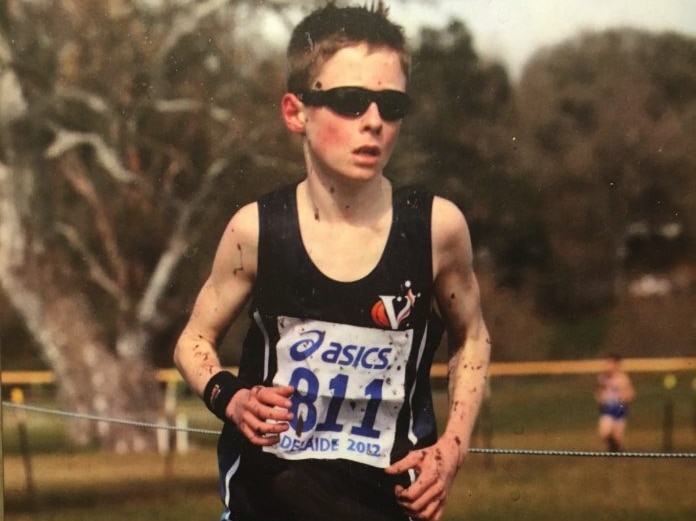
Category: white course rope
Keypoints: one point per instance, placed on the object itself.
(212, 432)
(94, 417)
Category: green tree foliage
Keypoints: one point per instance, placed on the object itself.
(462, 142)
(607, 120)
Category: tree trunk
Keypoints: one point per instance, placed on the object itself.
(40, 282)
(90, 377)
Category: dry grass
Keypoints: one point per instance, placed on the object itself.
(539, 413)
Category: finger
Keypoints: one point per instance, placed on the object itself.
(257, 437)
(439, 511)
(284, 390)
(275, 396)
(424, 489)
(431, 512)
(418, 501)
(411, 461)
(262, 423)
(265, 412)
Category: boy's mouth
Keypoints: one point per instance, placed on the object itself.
(367, 151)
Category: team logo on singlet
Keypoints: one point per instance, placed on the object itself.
(391, 310)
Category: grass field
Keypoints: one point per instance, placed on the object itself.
(525, 412)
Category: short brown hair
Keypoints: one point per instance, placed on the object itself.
(329, 29)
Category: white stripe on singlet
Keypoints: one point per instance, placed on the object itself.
(411, 435)
(228, 477)
(266, 344)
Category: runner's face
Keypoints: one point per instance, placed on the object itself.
(353, 148)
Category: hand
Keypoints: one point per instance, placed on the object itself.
(435, 468)
(251, 410)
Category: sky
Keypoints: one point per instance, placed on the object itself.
(512, 30)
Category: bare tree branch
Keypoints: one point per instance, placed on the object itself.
(176, 247)
(218, 114)
(96, 271)
(74, 172)
(93, 102)
(11, 243)
(12, 102)
(5, 51)
(67, 140)
(186, 22)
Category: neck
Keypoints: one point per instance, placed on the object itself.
(355, 201)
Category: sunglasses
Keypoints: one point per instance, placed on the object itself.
(354, 101)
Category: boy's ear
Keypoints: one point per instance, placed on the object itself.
(293, 113)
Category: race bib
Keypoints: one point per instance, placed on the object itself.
(349, 388)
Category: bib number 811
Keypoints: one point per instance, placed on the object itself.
(331, 422)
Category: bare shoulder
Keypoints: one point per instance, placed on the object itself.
(450, 233)
(456, 287)
(238, 249)
(245, 222)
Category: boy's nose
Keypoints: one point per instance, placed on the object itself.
(372, 119)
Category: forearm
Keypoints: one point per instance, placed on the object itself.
(468, 378)
(197, 360)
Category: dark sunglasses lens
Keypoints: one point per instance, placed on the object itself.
(354, 101)
(393, 105)
(348, 101)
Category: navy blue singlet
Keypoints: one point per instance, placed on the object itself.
(359, 356)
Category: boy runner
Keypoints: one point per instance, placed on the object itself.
(351, 285)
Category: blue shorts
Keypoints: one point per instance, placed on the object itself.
(617, 411)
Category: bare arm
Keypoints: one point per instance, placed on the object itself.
(628, 392)
(219, 302)
(458, 300)
(469, 342)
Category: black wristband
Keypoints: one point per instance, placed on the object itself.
(219, 391)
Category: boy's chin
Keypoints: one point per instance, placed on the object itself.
(356, 175)
(364, 177)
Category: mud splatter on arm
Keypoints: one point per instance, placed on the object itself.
(240, 267)
(220, 300)
(458, 300)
